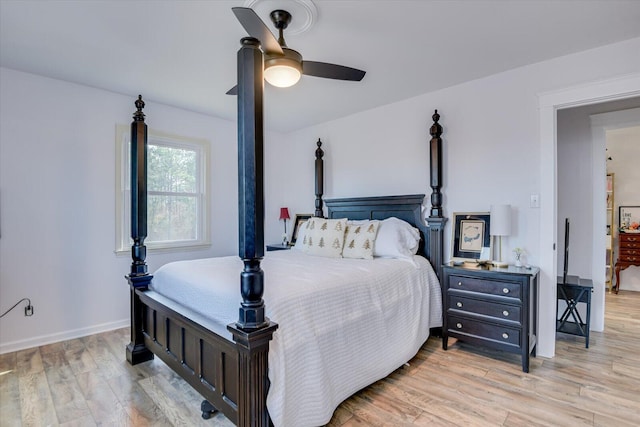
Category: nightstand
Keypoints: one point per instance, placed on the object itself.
(491, 307)
(278, 247)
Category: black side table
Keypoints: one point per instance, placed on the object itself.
(573, 292)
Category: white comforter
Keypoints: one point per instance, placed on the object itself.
(343, 323)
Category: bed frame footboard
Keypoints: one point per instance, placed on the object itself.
(206, 359)
(226, 365)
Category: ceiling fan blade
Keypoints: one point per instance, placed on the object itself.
(232, 91)
(331, 71)
(257, 28)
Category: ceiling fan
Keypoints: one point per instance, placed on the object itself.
(283, 66)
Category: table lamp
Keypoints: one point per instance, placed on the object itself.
(500, 226)
(284, 214)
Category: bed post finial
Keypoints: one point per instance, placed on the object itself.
(436, 220)
(138, 116)
(319, 179)
(138, 278)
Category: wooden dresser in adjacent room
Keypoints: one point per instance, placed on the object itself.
(628, 254)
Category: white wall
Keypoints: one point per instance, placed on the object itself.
(491, 151)
(57, 194)
(575, 189)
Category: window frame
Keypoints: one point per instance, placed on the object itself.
(123, 193)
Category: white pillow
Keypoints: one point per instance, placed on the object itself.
(360, 239)
(396, 239)
(300, 238)
(325, 237)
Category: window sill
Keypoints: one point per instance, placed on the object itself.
(167, 249)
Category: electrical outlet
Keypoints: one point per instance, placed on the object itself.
(28, 310)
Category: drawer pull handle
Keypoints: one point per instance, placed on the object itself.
(458, 304)
(459, 325)
(505, 313)
(459, 283)
(505, 290)
(505, 335)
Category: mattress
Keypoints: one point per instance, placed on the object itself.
(343, 323)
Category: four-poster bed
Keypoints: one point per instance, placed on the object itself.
(228, 363)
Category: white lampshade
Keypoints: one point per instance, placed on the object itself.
(500, 220)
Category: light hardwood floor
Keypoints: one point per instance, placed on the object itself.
(86, 381)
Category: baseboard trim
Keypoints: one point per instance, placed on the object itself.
(62, 336)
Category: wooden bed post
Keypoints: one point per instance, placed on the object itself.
(436, 220)
(319, 179)
(138, 278)
(253, 331)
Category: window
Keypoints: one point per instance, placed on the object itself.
(177, 199)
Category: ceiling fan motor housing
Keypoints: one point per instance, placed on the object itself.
(291, 58)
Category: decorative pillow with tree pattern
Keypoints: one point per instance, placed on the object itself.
(360, 239)
(325, 237)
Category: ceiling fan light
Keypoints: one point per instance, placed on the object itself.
(282, 75)
(283, 71)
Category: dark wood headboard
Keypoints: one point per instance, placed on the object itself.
(406, 207)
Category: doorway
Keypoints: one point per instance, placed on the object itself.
(549, 104)
(581, 185)
(619, 133)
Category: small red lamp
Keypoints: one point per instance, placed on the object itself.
(284, 214)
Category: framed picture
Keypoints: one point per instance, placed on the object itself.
(471, 239)
(629, 217)
(300, 219)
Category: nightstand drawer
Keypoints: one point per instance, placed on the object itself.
(486, 308)
(485, 286)
(473, 328)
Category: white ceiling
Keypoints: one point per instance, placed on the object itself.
(183, 53)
